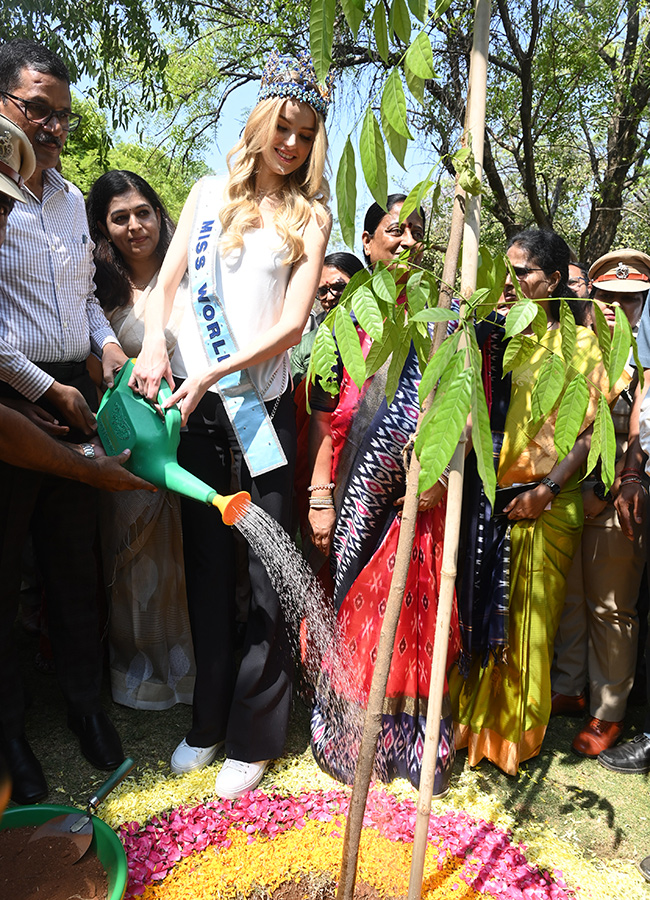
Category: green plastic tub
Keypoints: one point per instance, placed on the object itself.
(106, 843)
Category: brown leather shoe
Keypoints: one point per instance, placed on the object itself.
(563, 705)
(596, 736)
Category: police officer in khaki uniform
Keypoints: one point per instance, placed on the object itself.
(596, 642)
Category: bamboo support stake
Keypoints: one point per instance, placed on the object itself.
(475, 127)
(372, 723)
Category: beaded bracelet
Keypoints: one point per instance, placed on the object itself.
(321, 487)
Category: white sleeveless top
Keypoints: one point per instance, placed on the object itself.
(254, 282)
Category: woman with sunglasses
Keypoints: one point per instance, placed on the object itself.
(516, 556)
(338, 269)
(358, 481)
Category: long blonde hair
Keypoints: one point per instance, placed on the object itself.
(303, 192)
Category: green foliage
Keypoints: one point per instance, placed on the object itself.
(89, 153)
(346, 190)
(102, 38)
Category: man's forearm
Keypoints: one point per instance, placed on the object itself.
(25, 445)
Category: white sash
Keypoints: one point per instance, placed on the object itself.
(246, 410)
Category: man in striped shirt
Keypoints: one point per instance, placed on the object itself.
(49, 321)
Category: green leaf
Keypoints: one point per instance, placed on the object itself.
(415, 84)
(440, 442)
(571, 414)
(540, 323)
(568, 331)
(482, 438)
(548, 386)
(421, 292)
(380, 26)
(603, 442)
(379, 353)
(321, 32)
(435, 315)
(347, 338)
(520, 316)
(517, 352)
(373, 158)
(346, 193)
(478, 297)
(620, 349)
(393, 104)
(470, 183)
(437, 365)
(603, 334)
(383, 284)
(353, 11)
(397, 143)
(422, 344)
(441, 8)
(419, 8)
(415, 197)
(401, 346)
(367, 312)
(324, 358)
(419, 57)
(399, 20)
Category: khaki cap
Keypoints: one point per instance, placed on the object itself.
(17, 160)
(625, 271)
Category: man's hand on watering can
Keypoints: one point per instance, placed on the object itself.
(72, 406)
(187, 397)
(151, 366)
(113, 358)
(107, 473)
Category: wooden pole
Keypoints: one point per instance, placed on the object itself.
(372, 723)
(475, 128)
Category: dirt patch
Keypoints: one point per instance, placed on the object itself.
(314, 887)
(47, 868)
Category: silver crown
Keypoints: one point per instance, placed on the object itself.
(289, 76)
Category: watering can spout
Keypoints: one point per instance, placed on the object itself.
(126, 420)
(232, 507)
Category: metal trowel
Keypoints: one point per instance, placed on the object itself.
(78, 827)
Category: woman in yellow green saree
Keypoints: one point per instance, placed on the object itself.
(517, 556)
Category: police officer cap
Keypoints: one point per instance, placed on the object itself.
(17, 160)
(625, 271)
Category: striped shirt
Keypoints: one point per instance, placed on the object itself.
(48, 308)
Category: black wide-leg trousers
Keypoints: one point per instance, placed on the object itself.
(248, 707)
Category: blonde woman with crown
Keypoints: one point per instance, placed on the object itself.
(253, 248)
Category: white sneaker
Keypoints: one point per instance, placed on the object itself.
(187, 759)
(237, 777)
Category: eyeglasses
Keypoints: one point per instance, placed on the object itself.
(335, 290)
(522, 271)
(41, 113)
(6, 204)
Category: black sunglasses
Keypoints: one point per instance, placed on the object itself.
(334, 289)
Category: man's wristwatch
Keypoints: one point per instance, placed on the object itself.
(602, 493)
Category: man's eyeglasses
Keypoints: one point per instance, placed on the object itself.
(6, 204)
(334, 289)
(41, 113)
(522, 271)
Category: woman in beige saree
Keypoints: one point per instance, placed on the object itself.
(150, 645)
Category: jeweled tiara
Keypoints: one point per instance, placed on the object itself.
(294, 76)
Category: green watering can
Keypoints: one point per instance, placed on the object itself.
(125, 420)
